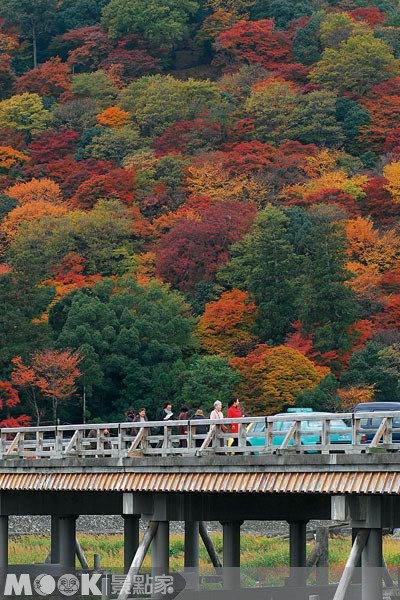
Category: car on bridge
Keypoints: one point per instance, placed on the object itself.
(370, 425)
(310, 430)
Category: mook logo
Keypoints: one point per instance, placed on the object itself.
(134, 586)
(47, 585)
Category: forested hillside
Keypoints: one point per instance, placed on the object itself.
(199, 199)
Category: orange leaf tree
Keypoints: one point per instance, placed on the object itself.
(25, 379)
(226, 325)
(45, 190)
(113, 117)
(53, 372)
(371, 256)
(356, 394)
(9, 157)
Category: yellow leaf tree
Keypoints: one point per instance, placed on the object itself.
(392, 174)
(212, 180)
(26, 213)
(272, 378)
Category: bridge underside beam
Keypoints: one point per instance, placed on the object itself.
(60, 503)
(216, 507)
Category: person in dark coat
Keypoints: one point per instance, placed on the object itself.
(199, 429)
(104, 433)
(183, 429)
(130, 418)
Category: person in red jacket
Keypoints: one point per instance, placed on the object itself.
(234, 412)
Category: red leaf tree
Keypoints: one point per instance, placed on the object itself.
(117, 184)
(193, 251)
(9, 400)
(52, 145)
(52, 78)
(256, 42)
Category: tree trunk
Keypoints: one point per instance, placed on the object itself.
(55, 411)
(37, 415)
(34, 46)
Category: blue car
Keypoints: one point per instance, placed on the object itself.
(311, 430)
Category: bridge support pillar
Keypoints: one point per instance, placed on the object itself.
(4, 542)
(67, 537)
(231, 554)
(371, 572)
(131, 539)
(160, 550)
(55, 539)
(192, 534)
(298, 552)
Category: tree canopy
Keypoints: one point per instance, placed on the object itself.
(198, 201)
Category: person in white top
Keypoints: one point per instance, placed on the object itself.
(218, 414)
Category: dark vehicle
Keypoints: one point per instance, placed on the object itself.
(371, 424)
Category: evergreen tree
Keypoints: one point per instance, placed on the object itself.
(130, 337)
(326, 305)
(265, 265)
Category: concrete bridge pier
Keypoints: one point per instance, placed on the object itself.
(55, 539)
(67, 537)
(3, 542)
(297, 552)
(231, 554)
(160, 550)
(131, 539)
(369, 514)
(372, 561)
(192, 536)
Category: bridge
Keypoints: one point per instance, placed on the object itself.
(169, 471)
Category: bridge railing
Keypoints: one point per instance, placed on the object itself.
(294, 432)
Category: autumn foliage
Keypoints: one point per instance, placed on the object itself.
(256, 42)
(113, 117)
(193, 251)
(9, 400)
(272, 378)
(198, 200)
(52, 78)
(53, 373)
(227, 325)
(43, 190)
